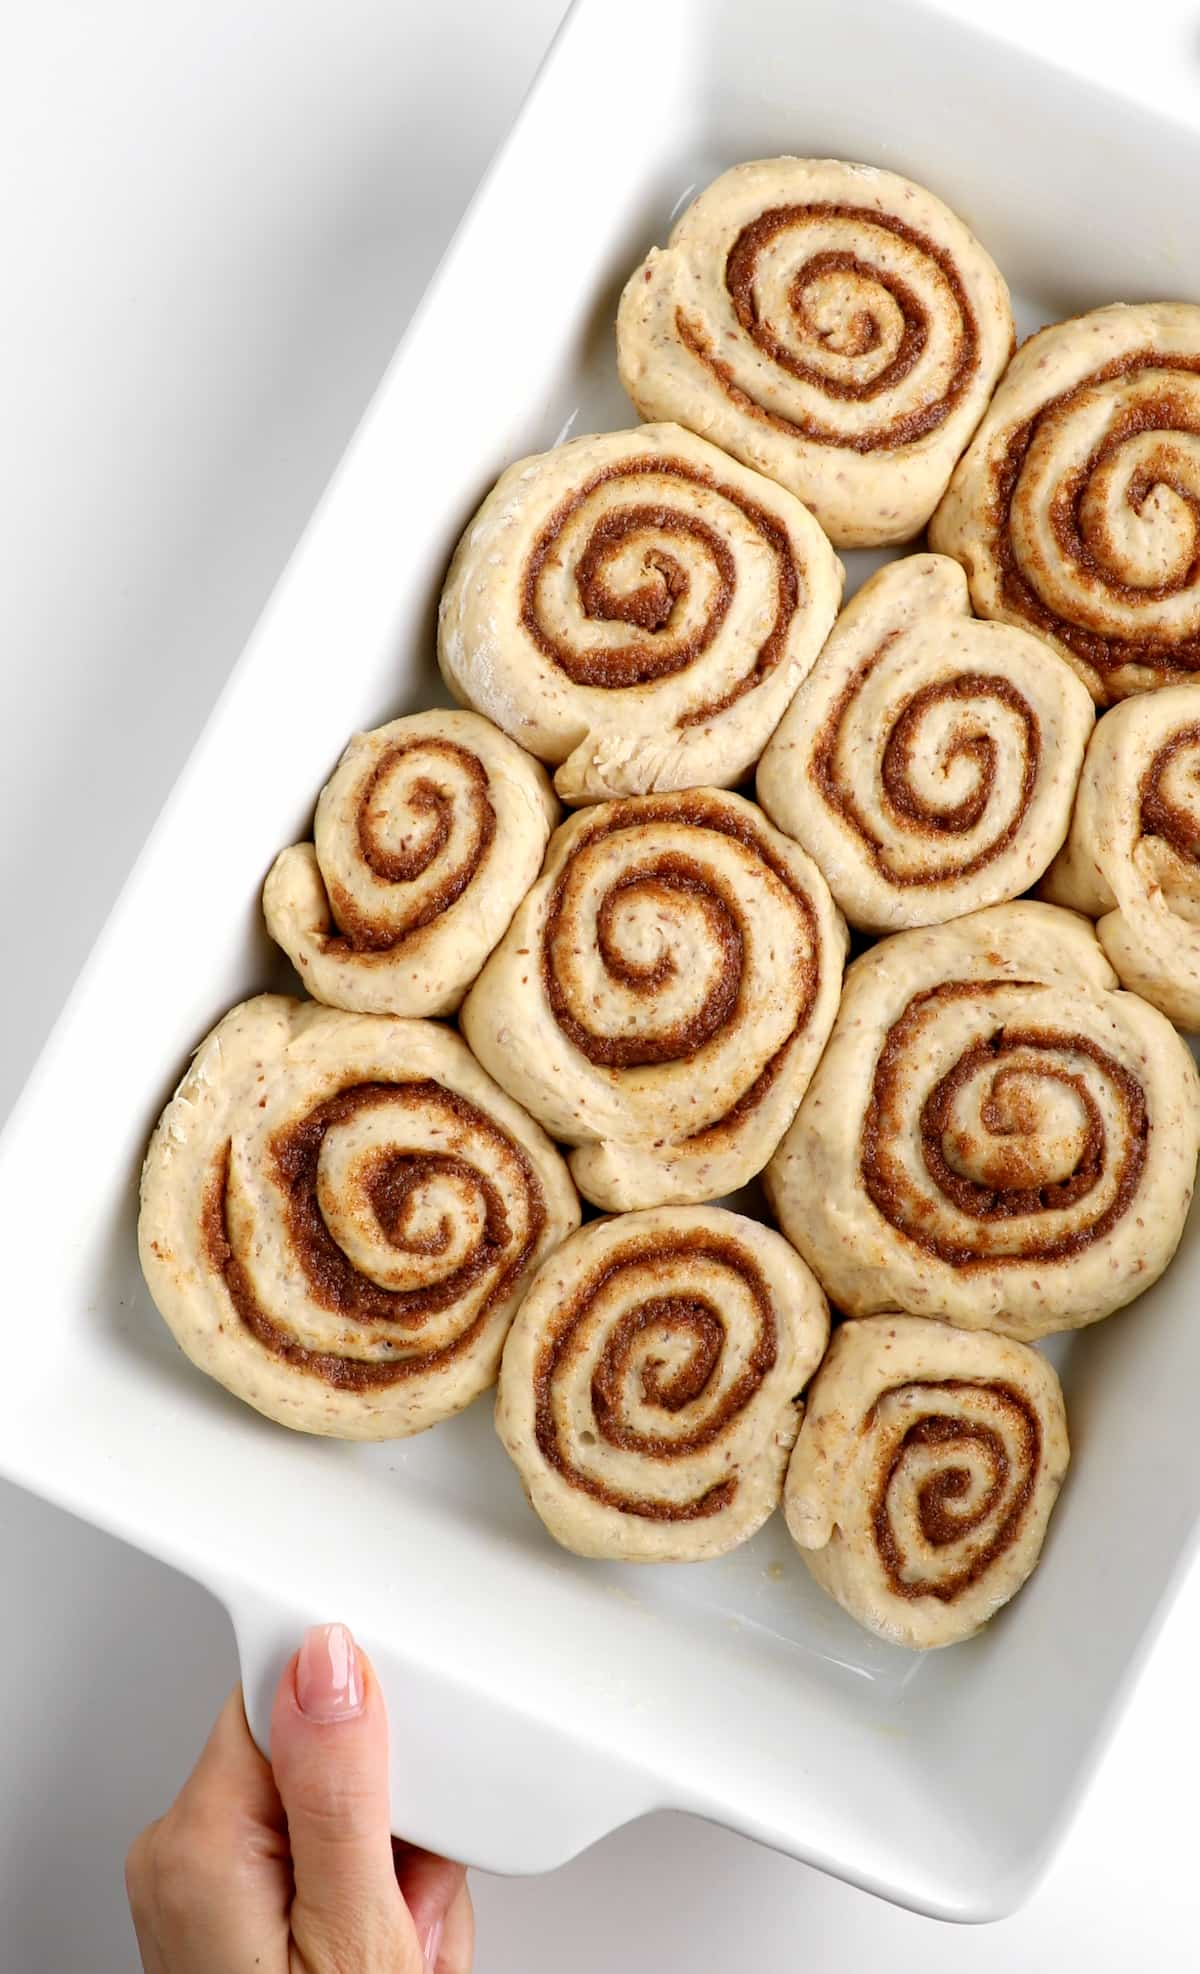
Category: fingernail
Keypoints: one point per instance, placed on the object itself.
(433, 1945)
(329, 1683)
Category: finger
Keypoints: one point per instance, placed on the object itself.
(208, 1883)
(231, 1775)
(457, 1949)
(329, 1749)
(430, 1885)
(139, 1883)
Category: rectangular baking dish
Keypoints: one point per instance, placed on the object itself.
(539, 1701)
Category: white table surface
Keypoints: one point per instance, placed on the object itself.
(215, 217)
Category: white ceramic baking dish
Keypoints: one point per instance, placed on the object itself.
(539, 1701)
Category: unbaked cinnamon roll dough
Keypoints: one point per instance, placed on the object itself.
(427, 836)
(994, 1135)
(636, 609)
(928, 762)
(1074, 512)
(340, 1214)
(650, 1384)
(663, 994)
(833, 325)
(1132, 860)
(924, 1477)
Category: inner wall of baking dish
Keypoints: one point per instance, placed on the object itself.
(763, 85)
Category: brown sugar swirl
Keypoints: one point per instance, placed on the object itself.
(928, 762)
(648, 1393)
(658, 887)
(340, 1213)
(1032, 1141)
(853, 327)
(1077, 509)
(653, 1359)
(925, 1473)
(431, 809)
(994, 1136)
(1132, 857)
(1170, 792)
(662, 993)
(426, 836)
(669, 550)
(835, 327)
(906, 805)
(978, 750)
(960, 1475)
(636, 609)
(431, 1228)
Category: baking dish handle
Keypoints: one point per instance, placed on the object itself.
(471, 1777)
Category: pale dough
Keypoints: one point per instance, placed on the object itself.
(928, 762)
(650, 1384)
(924, 1477)
(1132, 859)
(1075, 511)
(638, 609)
(994, 1135)
(663, 994)
(834, 326)
(427, 836)
(340, 1213)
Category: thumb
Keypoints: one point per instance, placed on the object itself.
(329, 1751)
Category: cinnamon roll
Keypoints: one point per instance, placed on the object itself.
(834, 326)
(1076, 511)
(928, 762)
(340, 1214)
(1132, 859)
(637, 609)
(427, 837)
(994, 1135)
(648, 1394)
(663, 994)
(925, 1474)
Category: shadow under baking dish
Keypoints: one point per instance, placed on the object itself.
(539, 1700)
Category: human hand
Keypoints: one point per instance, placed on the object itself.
(289, 1867)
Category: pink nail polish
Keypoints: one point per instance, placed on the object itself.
(329, 1684)
(433, 1945)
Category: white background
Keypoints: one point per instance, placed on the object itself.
(215, 217)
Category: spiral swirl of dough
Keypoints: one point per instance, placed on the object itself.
(834, 326)
(1132, 859)
(1076, 511)
(663, 994)
(638, 609)
(427, 837)
(925, 1474)
(928, 762)
(993, 1136)
(649, 1385)
(339, 1216)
